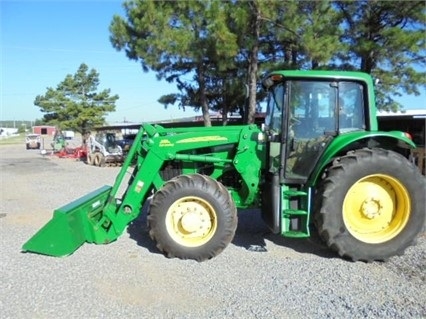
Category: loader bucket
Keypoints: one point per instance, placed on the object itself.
(71, 226)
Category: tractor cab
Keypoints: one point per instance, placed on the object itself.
(303, 116)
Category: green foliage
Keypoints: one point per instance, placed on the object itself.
(185, 42)
(387, 40)
(216, 51)
(192, 46)
(75, 104)
(39, 122)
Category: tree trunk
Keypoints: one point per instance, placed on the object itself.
(203, 98)
(225, 115)
(253, 65)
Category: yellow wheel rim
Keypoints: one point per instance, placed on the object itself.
(376, 209)
(191, 221)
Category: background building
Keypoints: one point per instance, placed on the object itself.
(44, 130)
(410, 121)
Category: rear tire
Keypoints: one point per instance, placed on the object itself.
(370, 205)
(192, 217)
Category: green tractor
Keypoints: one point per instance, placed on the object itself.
(318, 162)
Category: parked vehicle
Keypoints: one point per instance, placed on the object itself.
(103, 150)
(58, 144)
(33, 141)
(68, 135)
(317, 163)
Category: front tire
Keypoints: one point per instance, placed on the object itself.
(99, 159)
(370, 205)
(192, 217)
(91, 159)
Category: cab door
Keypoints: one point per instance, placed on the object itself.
(317, 112)
(311, 126)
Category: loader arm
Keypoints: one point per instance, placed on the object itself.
(161, 145)
(103, 216)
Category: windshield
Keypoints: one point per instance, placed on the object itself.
(322, 107)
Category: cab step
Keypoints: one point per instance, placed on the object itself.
(294, 220)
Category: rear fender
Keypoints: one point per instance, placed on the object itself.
(344, 143)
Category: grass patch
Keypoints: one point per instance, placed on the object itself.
(19, 139)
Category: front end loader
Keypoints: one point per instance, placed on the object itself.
(317, 163)
(187, 160)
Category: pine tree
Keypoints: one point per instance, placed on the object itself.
(75, 103)
(184, 42)
(387, 40)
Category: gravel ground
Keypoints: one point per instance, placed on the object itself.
(131, 279)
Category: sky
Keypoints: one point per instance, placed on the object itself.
(43, 41)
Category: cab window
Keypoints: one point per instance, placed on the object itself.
(351, 107)
(275, 108)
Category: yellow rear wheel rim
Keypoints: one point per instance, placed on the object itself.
(376, 209)
(191, 221)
